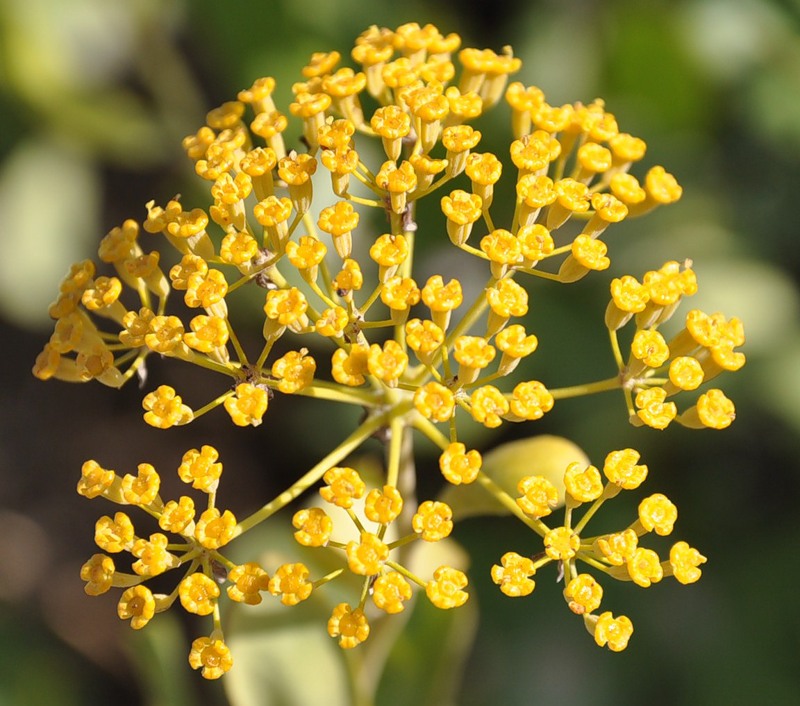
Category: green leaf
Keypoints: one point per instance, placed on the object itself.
(284, 656)
(160, 652)
(425, 667)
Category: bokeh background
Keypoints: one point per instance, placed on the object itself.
(95, 97)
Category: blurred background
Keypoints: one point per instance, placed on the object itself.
(94, 100)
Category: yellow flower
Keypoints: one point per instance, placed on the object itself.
(583, 594)
(350, 626)
(686, 373)
(461, 210)
(208, 334)
(287, 307)
(484, 171)
(306, 255)
(141, 489)
(239, 248)
(114, 535)
(248, 581)
(628, 297)
(442, 298)
(627, 189)
(657, 513)
(137, 325)
(583, 483)
(198, 594)
(515, 343)
(445, 590)
(534, 152)
(349, 278)
(661, 186)
(366, 556)
(513, 575)
(98, 573)
(473, 354)
(535, 192)
(389, 251)
(165, 409)
(120, 243)
(713, 410)
(137, 605)
(210, 655)
(95, 479)
(332, 322)
(458, 140)
(621, 468)
(538, 496)
(296, 170)
(399, 294)
(535, 243)
(506, 299)
(593, 159)
(587, 254)
(273, 213)
(294, 371)
(383, 506)
(389, 592)
(488, 405)
(652, 409)
(503, 250)
(650, 348)
(314, 527)
(339, 220)
(459, 465)
(618, 547)
(644, 567)
(290, 582)
(571, 197)
(433, 521)
(423, 337)
(215, 529)
(350, 368)
(611, 631)
(398, 182)
(102, 294)
(685, 562)
(153, 557)
(201, 468)
(387, 362)
(530, 400)
(561, 544)
(343, 486)
(392, 124)
(177, 515)
(434, 401)
(248, 405)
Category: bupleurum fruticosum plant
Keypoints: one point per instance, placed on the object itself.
(413, 355)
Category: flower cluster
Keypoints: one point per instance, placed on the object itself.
(290, 224)
(617, 554)
(195, 549)
(387, 581)
(657, 369)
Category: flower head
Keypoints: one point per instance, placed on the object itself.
(349, 625)
(211, 656)
(328, 277)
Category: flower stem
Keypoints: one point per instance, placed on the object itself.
(352, 442)
(589, 388)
